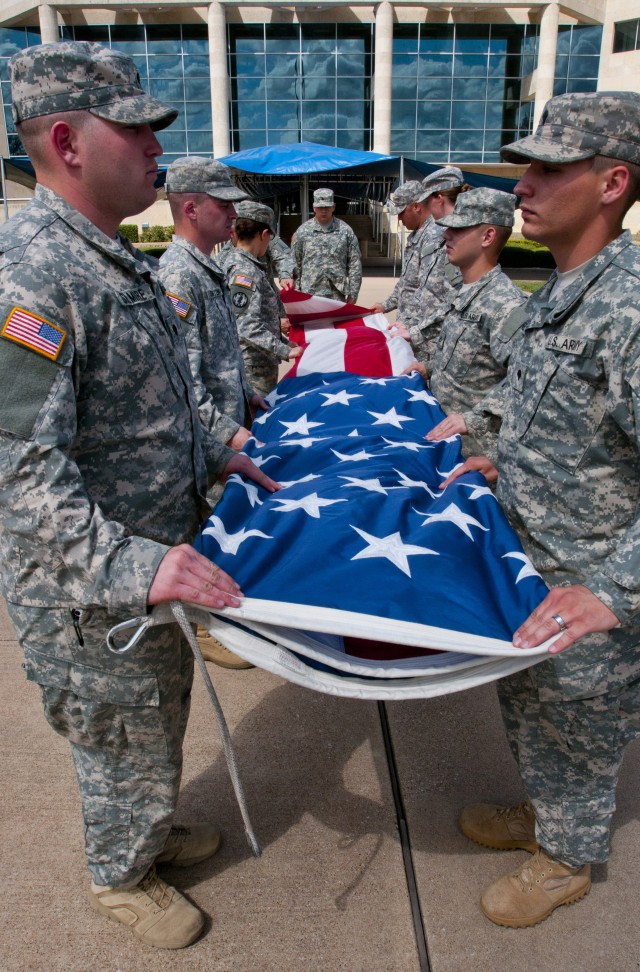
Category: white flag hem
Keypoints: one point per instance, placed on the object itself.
(349, 623)
(275, 658)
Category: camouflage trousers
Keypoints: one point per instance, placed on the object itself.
(261, 370)
(568, 729)
(125, 718)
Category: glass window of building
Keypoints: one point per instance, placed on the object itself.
(626, 36)
(300, 82)
(577, 58)
(457, 89)
(173, 61)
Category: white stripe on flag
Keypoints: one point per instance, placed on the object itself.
(324, 353)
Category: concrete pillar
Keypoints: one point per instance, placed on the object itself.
(546, 70)
(219, 79)
(48, 18)
(382, 74)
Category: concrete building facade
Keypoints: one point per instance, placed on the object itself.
(440, 82)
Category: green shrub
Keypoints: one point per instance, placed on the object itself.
(157, 234)
(526, 253)
(154, 250)
(130, 232)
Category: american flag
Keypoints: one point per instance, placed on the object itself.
(34, 332)
(361, 564)
(181, 306)
(337, 336)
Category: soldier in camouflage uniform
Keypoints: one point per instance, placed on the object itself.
(411, 202)
(437, 280)
(569, 460)
(254, 298)
(278, 262)
(327, 253)
(201, 195)
(104, 469)
(470, 358)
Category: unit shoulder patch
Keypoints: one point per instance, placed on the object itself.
(239, 298)
(34, 332)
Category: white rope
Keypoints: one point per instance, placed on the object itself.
(179, 613)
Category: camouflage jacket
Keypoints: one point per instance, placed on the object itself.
(202, 300)
(405, 296)
(439, 283)
(327, 259)
(468, 361)
(102, 454)
(277, 262)
(256, 306)
(568, 450)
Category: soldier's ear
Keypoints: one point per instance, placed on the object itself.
(64, 140)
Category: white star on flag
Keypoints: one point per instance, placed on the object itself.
(311, 504)
(453, 514)
(527, 571)
(392, 548)
(303, 443)
(338, 398)
(422, 396)
(478, 491)
(354, 435)
(294, 482)
(411, 446)
(356, 457)
(372, 485)
(390, 418)
(273, 397)
(373, 381)
(230, 542)
(406, 483)
(250, 488)
(301, 426)
(445, 474)
(260, 460)
(263, 418)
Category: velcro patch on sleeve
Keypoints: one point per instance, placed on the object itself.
(34, 332)
(182, 306)
(239, 299)
(242, 280)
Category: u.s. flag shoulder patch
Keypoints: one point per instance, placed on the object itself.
(182, 306)
(26, 328)
(242, 280)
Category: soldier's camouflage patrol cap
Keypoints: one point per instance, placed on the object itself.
(81, 76)
(481, 205)
(323, 197)
(197, 174)
(579, 126)
(407, 193)
(250, 209)
(442, 179)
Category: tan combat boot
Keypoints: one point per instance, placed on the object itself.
(213, 651)
(537, 888)
(155, 912)
(501, 828)
(190, 845)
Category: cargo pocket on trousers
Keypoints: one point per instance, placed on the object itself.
(107, 827)
(99, 709)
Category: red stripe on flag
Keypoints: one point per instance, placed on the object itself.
(366, 353)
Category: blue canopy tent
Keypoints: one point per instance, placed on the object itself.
(356, 174)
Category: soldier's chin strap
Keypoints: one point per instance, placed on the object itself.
(186, 617)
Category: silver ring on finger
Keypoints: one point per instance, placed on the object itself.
(560, 621)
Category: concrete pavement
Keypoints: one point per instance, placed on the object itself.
(330, 892)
